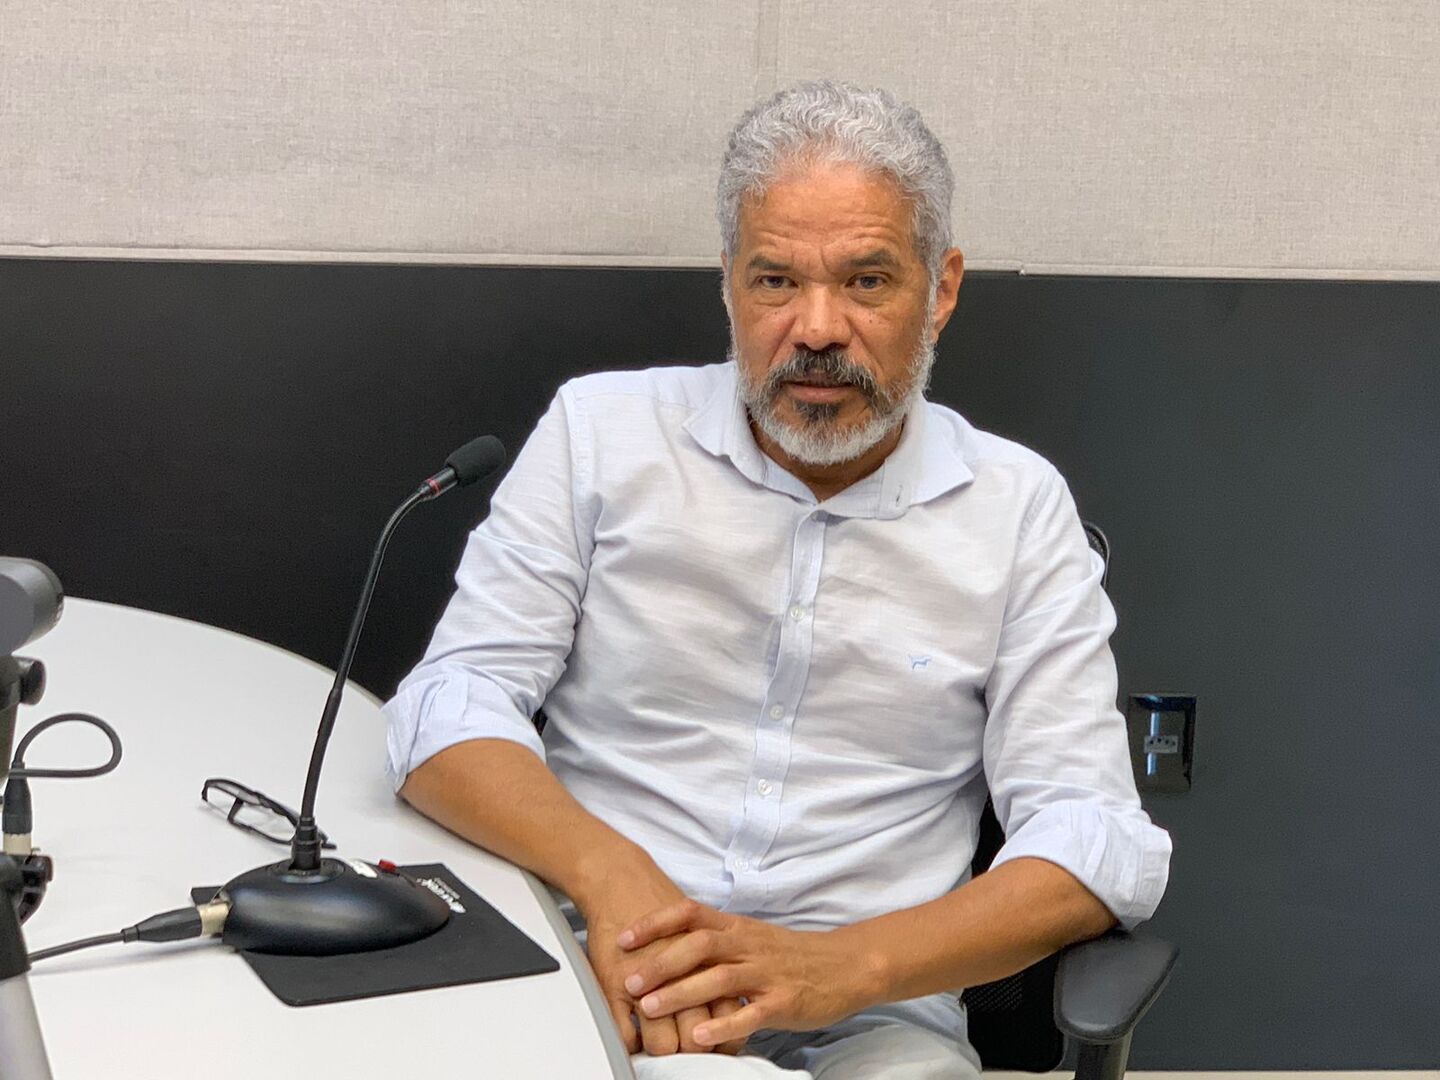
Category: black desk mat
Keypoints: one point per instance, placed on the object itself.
(476, 945)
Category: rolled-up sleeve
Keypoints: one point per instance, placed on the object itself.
(1056, 753)
(507, 631)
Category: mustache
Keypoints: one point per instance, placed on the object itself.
(829, 366)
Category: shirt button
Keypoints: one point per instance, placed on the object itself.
(742, 865)
(764, 787)
(776, 712)
(797, 612)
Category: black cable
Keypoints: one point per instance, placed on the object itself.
(73, 946)
(176, 925)
(17, 765)
(17, 818)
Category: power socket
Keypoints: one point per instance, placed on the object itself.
(1162, 740)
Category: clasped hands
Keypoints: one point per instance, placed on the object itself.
(685, 956)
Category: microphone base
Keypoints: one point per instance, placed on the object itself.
(334, 909)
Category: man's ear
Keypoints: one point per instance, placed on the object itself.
(947, 288)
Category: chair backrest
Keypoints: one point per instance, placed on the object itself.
(1012, 1020)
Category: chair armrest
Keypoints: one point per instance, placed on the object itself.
(1103, 987)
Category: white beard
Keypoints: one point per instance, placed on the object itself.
(817, 440)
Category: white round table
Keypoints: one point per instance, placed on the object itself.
(190, 702)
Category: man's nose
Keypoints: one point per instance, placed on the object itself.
(820, 321)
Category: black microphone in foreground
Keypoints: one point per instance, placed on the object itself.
(317, 906)
(31, 602)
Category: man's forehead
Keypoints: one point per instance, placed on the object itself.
(858, 217)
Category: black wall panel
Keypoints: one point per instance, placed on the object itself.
(222, 441)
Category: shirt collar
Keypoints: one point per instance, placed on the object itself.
(923, 465)
(722, 427)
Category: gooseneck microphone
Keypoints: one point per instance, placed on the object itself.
(476, 459)
(317, 906)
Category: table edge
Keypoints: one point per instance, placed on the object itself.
(615, 1052)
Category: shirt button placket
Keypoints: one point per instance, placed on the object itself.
(761, 818)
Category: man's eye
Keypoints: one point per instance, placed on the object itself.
(770, 281)
(869, 282)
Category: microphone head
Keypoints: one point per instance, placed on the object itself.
(477, 459)
(31, 601)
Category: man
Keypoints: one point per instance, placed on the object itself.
(789, 622)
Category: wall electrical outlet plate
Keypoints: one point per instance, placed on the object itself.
(1162, 740)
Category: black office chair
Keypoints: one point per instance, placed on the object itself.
(1094, 992)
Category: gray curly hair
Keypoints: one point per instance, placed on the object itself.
(829, 121)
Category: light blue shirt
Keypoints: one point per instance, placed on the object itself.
(796, 707)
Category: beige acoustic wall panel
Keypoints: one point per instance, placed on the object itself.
(542, 128)
(1265, 136)
(1271, 137)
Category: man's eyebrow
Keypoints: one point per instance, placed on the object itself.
(764, 262)
(880, 257)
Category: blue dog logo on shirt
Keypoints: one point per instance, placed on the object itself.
(917, 662)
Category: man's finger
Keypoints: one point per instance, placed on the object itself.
(686, 1021)
(673, 961)
(620, 1012)
(700, 988)
(740, 1024)
(663, 922)
(659, 1037)
(726, 1007)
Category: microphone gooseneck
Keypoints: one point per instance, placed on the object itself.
(476, 459)
(305, 850)
(323, 906)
